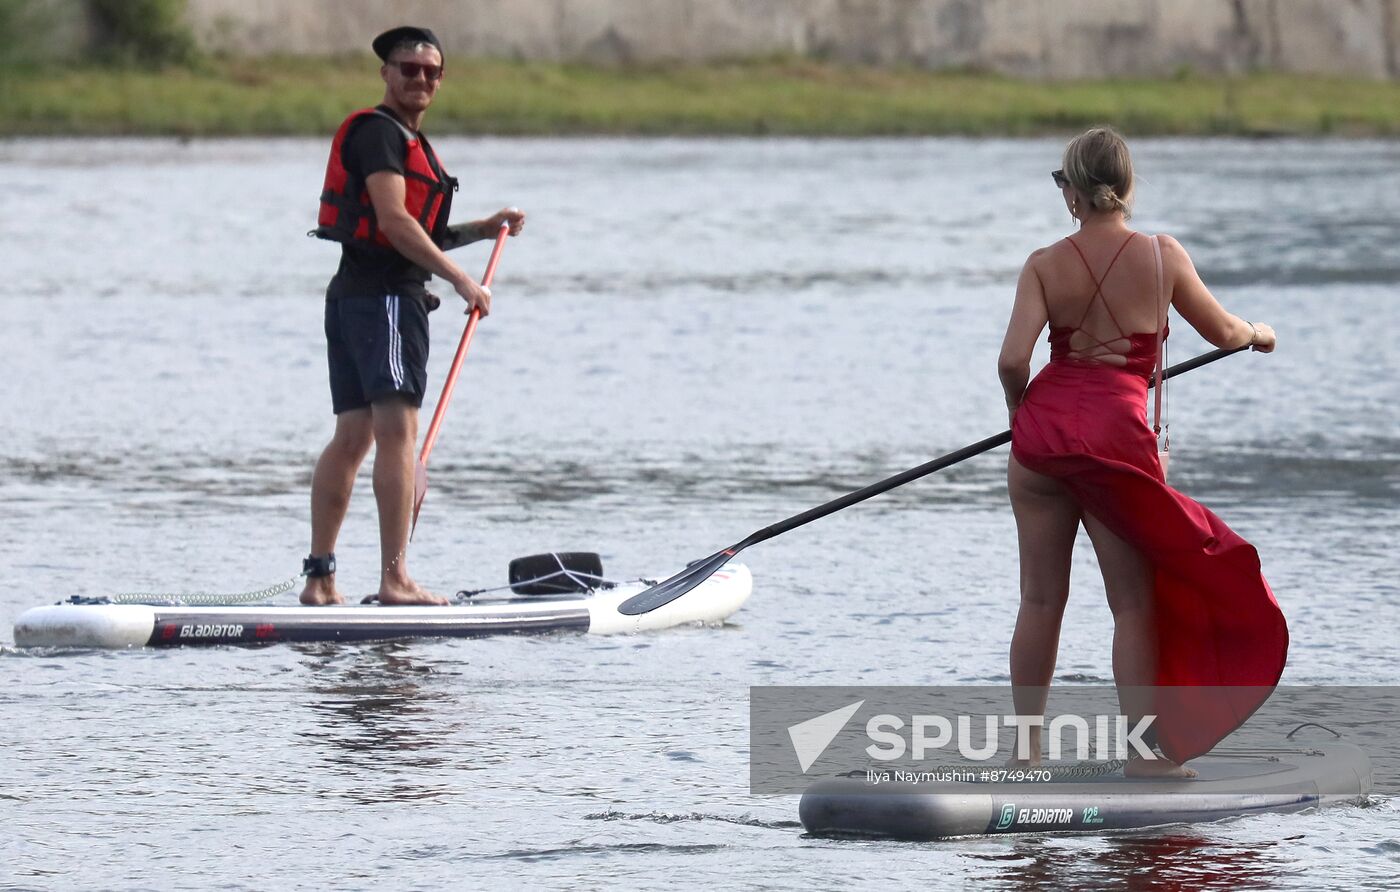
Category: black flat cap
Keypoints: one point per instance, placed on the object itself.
(384, 44)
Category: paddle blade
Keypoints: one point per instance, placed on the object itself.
(668, 590)
(420, 489)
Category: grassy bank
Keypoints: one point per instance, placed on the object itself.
(311, 96)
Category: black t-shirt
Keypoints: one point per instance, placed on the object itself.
(375, 144)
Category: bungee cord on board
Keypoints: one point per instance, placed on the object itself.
(582, 582)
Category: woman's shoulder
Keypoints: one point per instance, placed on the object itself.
(1168, 243)
(1044, 253)
(1174, 256)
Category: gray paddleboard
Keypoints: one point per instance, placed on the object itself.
(1230, 784)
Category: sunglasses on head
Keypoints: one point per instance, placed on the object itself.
(411, 70)
(1059, 177)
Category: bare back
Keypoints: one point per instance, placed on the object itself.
(1102, 288)
(1098, 293)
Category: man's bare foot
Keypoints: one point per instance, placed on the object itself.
(409, 593)
(1160, 767)
(321, 591)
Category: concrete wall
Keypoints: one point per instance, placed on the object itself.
(1028, 38)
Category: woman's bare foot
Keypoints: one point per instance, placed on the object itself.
(409, 593)
(321, 591)
(1161, 767)
(1027, 741)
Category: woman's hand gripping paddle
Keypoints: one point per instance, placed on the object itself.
(420, 475)
(668, 590)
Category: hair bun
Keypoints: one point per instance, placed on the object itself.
(1105, 199)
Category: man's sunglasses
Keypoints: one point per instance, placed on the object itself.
(1059, 177)
(411, 70)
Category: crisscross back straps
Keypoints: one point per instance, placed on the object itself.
(1101, 347)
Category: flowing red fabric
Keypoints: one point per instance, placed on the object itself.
(1221, 638)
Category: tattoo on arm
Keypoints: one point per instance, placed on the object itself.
(461, 234)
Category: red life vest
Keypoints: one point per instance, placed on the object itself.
(347, 215)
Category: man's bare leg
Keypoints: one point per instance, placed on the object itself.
(396, 435)
(331, 484)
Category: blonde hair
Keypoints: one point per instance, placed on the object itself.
(1098, 166)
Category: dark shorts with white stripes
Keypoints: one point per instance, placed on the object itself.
(376, 347)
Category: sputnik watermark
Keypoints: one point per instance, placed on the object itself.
(897, 735)
(1112, 737)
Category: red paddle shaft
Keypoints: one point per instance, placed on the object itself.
(420, 476)
(451, 382)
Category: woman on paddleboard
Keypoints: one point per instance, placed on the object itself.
(1192, 612)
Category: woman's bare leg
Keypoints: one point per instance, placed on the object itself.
(1047, 519)
(1127, 579)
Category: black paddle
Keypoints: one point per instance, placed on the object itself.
(668, 590)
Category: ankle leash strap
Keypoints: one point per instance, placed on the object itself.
(318, 566)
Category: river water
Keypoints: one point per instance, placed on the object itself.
(692, 340)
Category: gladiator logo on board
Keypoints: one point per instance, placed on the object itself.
(1008, 816)
(211, 630)
(172, 631)
(1039, 817)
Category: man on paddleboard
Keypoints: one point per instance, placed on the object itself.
(386, 199)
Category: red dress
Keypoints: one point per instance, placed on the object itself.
(1083, 422)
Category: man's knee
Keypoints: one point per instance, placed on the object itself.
(353, 435)
(395, 420)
